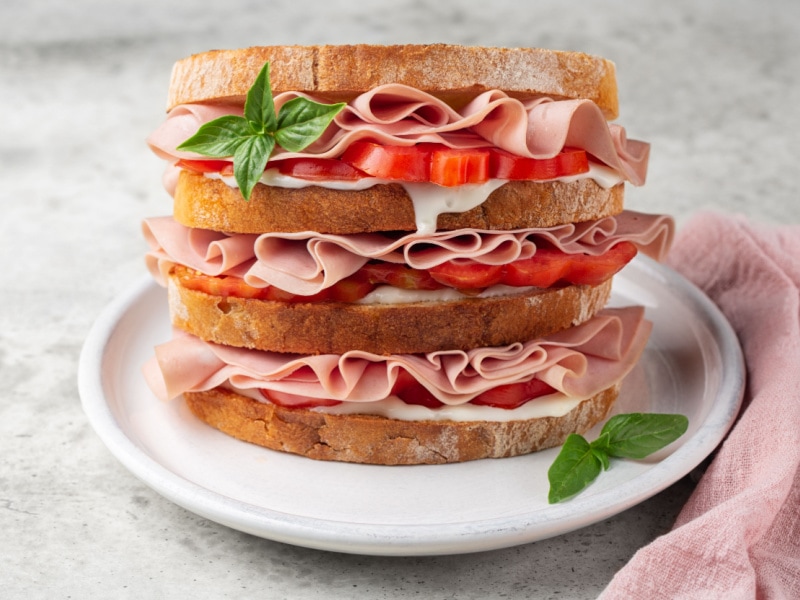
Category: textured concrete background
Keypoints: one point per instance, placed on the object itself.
(713, 87)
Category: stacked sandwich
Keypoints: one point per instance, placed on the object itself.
(425, 280)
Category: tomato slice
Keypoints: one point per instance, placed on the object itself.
(223, 167)
(226, 286)
(504, 165)
(455, 166)
(594, 270)
(317, 169)
(464, 274)
(435, 163)
(513, 395)
(410, 391)
(399, 276)
(350, 289)
(547, 268)
(543, 269)
(400, 163)
(222, 286)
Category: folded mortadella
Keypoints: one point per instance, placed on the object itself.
(399, 115)
(307, 262)
(578, 362)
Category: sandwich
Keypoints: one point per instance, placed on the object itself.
(426, 278)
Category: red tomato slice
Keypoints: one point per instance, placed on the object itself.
(317, 169)
(435, 163)
(594, 270)
(454, 166)
(235, 287)
(546, 268)
(513, 395)
(504, 165)
(401, 163)
(279, 295)
(223, 167)
(399, 276)
(543, 269)
(350, 289)
(294, 401)
(223, 286)
(410, 391)
(467, 274)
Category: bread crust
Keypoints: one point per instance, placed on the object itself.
(382, 441)
(454, 73)
(207, 203)
(336, 327)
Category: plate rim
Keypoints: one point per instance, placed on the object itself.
(404, 539)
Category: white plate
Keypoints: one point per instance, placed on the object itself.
(693, 365)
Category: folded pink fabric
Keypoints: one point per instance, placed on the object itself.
(739, 534)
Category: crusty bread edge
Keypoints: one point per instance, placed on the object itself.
(456, 73)
(206, 203)
(378, 440)
(335, 328)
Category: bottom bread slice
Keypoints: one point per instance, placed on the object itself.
(378, 440)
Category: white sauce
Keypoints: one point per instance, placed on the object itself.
(387, 294)
(554, 405)
(430, 200)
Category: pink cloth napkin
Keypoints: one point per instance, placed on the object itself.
(739, 534)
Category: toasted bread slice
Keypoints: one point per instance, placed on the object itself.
(453, 73)
(207, 203)
(335, 328)
(378, 440)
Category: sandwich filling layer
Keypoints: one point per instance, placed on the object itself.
(399, 115)
(569, 366)
(307, 263)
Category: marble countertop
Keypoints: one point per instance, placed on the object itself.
(712, 86)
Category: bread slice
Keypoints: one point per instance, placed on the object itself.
(335, 328)
(207, 203)
(453, 73)
(383, 441)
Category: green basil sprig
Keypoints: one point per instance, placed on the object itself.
(251, 139)
(634, 435)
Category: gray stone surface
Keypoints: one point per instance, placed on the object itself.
(713, 87)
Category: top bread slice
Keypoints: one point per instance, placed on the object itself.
(455, 74)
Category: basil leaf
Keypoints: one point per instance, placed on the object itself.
(601, 443)
(250, 160)
(259, 107)
(602, 457)
(251, 139)
(638, 435)
(218, 138)
(301, 121)
(575, 467)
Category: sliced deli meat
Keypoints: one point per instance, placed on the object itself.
(307, 262)
(578, 362)
(401, 115)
